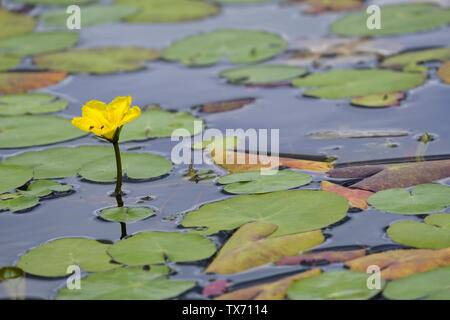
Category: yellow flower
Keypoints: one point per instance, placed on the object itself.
(104, 120)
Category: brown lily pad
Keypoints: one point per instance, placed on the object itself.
(321, 6)
(444, 72)
(379, 100)
(215, 288)
(228, 105)
(268, 291)
(356, 198)
(330, 256)
(398, 264)
(250, 247)
(403, 175)
(21, 82)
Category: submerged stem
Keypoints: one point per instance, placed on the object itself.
(118, 190)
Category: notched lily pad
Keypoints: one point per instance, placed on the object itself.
(379, 100)
(263, 74)
(239, 46)
(13, 176)
(20, 82)
(31, 103)
(52, 259)
(154, 247)
(424, 198)
(126, 214)
(338, 84)
(100, 60)
(292, 211)
(409, 61)
(433, 234)
(14, 24)
(268, 181)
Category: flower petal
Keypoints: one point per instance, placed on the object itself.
(118, 108)
(131, 114)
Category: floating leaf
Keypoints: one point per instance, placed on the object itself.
(268, 181)
(127, 284)
(42, 188)
(338, 84)
(13, 176)
(19, 82)
(244, 1)
(54, 2)
(40, 130)
(126, 214)
(169, 10)
(51, 259)
(409, 60)
(215, 288)
(8, 62)
(19, 204)
(330, 256)
(444, 72)
(159, 124)
(59, 162)
(92, 15)
(13, 24)
(99, 60)
(239, 46)
(135, 166)
(38, 42)
(31, 103)
(382, 177)
(263, 74)
(356, 134)
(433, 234)
(320, 6)
(334, 285)
(398, 264)
(275, 290)
(217, 143)
(235, 162)
(154, 247)
(424, 198)
(379, 100)
(228, 105)
(429, 285)
(13, 281)
(292, 211)
(396, 19)
(250, 247)
(356, 198)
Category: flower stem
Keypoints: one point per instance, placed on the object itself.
(118, 190)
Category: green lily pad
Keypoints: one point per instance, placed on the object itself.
(424, 198)
(30, 103)
(134, 166)
(379, 100)
(153, 247)
(51, 259)
(263, 74)
(127, 284)
(38, 42)
(245, 1)
(100, 60)
(217, 143)
(429, 285)
(433, 234)
(255, 182)
(409, 60)
(338, 84)
(239, 46)
(20, 203)
(334, 285)
(169, 10)
(159, 124)
(59, 162)
(292, 211)
(13, 176)
(126, 214)
(27, 131)
(42, 188)
(55, 2)
(395, 19)
(8, 62)
(13, 24)
(91, 15)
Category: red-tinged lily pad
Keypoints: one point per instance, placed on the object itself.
(215, 288)
(398, 264)
(330, 256)
(20, 82)
(356, 198)
(228, 105)
(249, 247)
(403, 175)
(321, 6)
(379, 100)
(275, 290)
(444, 72)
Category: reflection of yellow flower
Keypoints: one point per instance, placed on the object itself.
(104, 120)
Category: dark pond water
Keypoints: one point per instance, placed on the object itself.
(426, 109)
